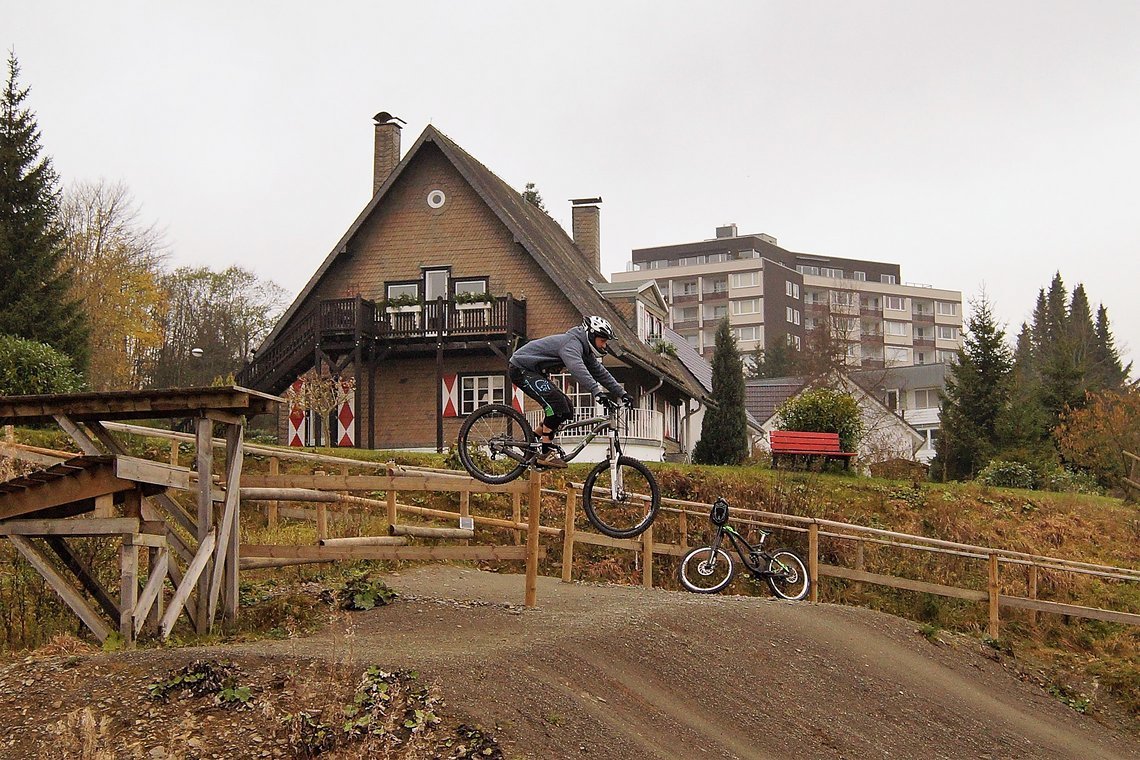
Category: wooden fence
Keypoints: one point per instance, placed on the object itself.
(995, 563)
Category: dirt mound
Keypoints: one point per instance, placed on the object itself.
(593, 671)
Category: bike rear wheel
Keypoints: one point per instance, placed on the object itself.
(787, 575)
(613, 498)
(495, 443)
(705, 570)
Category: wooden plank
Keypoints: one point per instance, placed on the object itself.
(84, 526)
(158, 473)
(67, 592)
(82, 439)
(425, 482)
(568, 536)
(79, 486)
(259, 563)
(647, 557)
(813, 562)
(534, 512)
(365, 541)
(29, 455)
(205, 462)
(907, 584)
(128, 589)
(994, 592)
(153, 589)
(137, 404)
(90, 582)
(1074, 610)
(283, 551)
(287, 494)
(186, 585)
(423, 531)
(597, 539)
(228, 526)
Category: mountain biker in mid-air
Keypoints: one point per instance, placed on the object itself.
(579, 350)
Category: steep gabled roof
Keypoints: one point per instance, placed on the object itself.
(542, 237)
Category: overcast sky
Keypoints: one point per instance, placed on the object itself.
(976, 144)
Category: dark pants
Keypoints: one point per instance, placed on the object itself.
(554, 402)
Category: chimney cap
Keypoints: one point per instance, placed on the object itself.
(585, 201)
(386, 118)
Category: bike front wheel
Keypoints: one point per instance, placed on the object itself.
(621, 501)
(495, 443)
(787, 576)
(705, 570)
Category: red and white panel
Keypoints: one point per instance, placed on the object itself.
(516, 397)
(450, 392)
(345, 417)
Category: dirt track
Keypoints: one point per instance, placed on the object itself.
(594, 672)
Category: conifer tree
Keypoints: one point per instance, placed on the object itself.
(781, 360)
(977, 392)
(34, 302)
(724, 430)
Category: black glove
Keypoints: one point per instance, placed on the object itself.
(603, 398)
(627, 400)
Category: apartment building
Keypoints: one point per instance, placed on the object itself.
(771, 295)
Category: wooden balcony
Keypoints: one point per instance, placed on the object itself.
(339, 325)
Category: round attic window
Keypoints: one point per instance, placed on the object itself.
(436, 198)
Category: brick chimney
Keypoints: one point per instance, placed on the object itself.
(387, 153)
(587, 224)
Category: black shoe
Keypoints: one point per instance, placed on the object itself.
(550, 457)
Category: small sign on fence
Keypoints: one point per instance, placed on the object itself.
(467, 523)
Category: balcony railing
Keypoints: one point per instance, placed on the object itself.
(641, 425)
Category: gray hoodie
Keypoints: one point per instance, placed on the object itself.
(571, 350)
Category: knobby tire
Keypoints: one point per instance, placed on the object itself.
(606, 514)
(698, 577)
(486, 424)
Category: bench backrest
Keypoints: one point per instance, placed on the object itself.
(800, 442)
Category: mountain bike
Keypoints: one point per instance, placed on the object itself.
(620, 495)
(708, 569)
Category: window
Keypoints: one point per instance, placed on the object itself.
(744, 279)
(687, 288)
(470, 286)
(657, 264)
(804, 269)
(693, 340)
(746, 306)
(810, 323)
(844, 298)
(748, 254)
(829, 272)
(895, 303)
(947, 333)
(688, 261)
(685, 313)
(920, 357)
(751, 332)
(947, 357)
(716, 258)
(792, 289)
(853, 352)
(923, 333)
(926, 398)
(718, 311)
(716, 286)
(795, 341)
(477, 390)
(815, 297)
(860, 276)
(844, 324)
(792, 315)
(892, 400)
(404, 289)
(897, 355)
(946, 308)
(889, 279)
(894, 328)
(583, 400)
(922, 308)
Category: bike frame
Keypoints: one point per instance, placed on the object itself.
(609, 426)
(737, 542)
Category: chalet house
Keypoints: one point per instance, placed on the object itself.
(419, 305)
(886, 434)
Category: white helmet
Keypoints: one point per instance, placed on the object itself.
(597, 327)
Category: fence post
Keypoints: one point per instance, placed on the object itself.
(516, 515)
(464, 511)
(1033, 592)
(391, 506)
(174, 452)
(647, 557)
(683, 526)
(322, 521)
(568, 536)
(859, 564)
(274, 469)
(534, 511)
(813, 561)
(10, 433)
(994, 590)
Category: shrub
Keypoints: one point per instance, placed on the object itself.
(28, 367)
(824, 410)
(1005, 474)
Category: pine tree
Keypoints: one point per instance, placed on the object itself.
(781, 360)
(977, 392)
(724, 430)
(34, 288)
(1108, 373)
(1023, 427)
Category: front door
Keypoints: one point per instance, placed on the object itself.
(436, 282)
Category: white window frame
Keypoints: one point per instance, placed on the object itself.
(473, 387)
(744, 279)
(860, 276)
(747, 306)
(754, 330)
(947, 332)
(896, 329)
(888, 279)
(946, 308)
(926, 398)
(894, 303)
(899, 354)
(946, 356)
(715, 311)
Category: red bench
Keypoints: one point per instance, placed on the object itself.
(793, 443)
